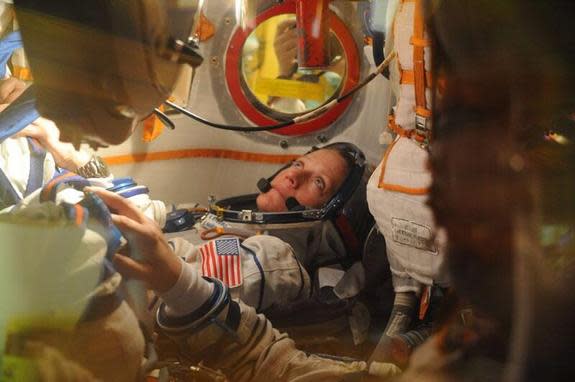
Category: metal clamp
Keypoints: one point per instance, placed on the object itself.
(94, 168)
(246, 215)
(181, 52)
(423, 129)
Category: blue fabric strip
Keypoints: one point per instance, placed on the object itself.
(101, 213)
(121, 184)
(8, 45)
(36, 175)
(75, 181)
(131, 192)
(8, 195)
(262, 279)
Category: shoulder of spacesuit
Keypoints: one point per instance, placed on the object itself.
(268, 244)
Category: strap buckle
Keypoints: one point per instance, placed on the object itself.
(246, 215)
(422, 129)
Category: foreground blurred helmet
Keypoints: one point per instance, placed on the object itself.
(101, 66)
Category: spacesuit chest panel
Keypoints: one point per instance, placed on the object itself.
(312, 241)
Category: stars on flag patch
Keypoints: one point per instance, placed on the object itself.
(221, 259)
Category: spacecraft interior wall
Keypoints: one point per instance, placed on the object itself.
(195, 161)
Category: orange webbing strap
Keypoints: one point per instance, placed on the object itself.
(421, 82)
(418, 55)
(396, 187)
(384, 164)
(419, 42)
(424, 301)
(407, 77)
(411, 134)
(79, 214)
(420, 79)
(423, 112)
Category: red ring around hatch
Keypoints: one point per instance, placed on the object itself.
(233, 72)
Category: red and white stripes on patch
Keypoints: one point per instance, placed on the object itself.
(221, 259)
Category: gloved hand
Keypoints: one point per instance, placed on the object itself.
(148, 257)
(285, 46)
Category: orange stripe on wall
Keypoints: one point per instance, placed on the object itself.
(200, 153)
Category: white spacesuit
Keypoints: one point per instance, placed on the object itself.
(397, 191)
(398, 188)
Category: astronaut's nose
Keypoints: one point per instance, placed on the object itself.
(292, 180)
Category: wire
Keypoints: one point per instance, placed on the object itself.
(216, 125)
(302, 118)
(165, 119)
(370, 78)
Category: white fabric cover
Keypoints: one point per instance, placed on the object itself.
(414, 248)
(48, 267)
(406, 165)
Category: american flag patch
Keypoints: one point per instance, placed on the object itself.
(221, 259)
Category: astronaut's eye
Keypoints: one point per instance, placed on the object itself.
(319, 183)
(297, 164)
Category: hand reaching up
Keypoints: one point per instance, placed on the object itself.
(148, 257)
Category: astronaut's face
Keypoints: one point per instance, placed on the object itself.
(312, 179)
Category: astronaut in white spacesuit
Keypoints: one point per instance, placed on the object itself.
(285, 231)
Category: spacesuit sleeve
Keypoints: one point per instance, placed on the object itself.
(230, 336)
(272, 275)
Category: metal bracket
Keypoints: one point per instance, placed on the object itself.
(246, 215)
(423, 128)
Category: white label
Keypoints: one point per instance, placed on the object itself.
(413, 234)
